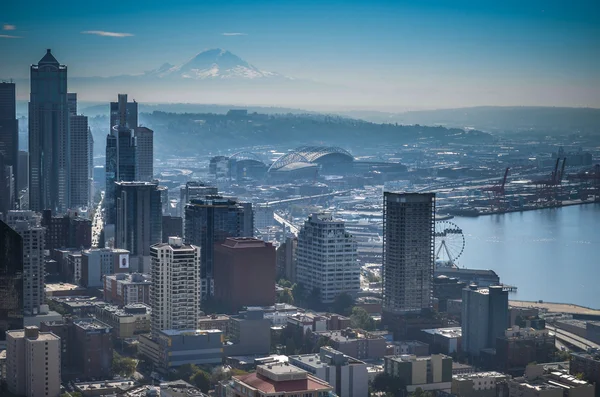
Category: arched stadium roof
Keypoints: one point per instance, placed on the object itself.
(310, 154)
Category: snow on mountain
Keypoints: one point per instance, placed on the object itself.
(213, 64)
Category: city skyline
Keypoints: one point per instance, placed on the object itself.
(392, 54)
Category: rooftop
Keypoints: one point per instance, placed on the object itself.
(190, 332)
(480, 375)
(245, 242)
(451, 332)
(282, 378)
(62, 287)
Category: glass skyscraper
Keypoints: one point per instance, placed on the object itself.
(11, 280)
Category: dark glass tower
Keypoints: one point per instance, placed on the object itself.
(9, 135)
(11, 280)
(208, 221)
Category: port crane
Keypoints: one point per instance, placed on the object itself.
(496, 193)
(592, 178)
(548, 189)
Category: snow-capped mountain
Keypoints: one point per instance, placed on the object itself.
(213, 64)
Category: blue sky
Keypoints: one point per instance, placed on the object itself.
(538, 49)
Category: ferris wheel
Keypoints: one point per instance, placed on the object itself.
(449, 243)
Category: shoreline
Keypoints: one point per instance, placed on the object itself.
(556, 307)
(565, 203)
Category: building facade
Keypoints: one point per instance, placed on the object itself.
(81, 157)
(145, 153)
(428, 373)
(326, 258)
(9, 144)
(92, 348)
(68, 230)
(49, 137)
(408, 252)
(127, 288)
(11, 280)
(175, 289)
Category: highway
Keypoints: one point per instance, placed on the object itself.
(572, 339)
(307, 198)
(279, 219)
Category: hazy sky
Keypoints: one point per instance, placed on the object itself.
(443, 53)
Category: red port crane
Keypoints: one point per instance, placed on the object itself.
(496, 193)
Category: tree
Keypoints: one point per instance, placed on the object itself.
(420, 393)
(123, 365)
(286, 296)
(285, 283)
(389, 384)
(343, 304)
(201, 380)
(361, 319)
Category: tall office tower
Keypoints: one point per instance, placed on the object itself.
(120, 165)
(145, 153)
(208, 221)
(139, 221)
(23, 171)
(408, 252)
(32, 359)
(7, 186)
(194, 190)
(175, 289)
(27, 224)
(172, 226)
(11, 280)
(248, 230)
(327, 258)
(124, 113)
(49, 138)
(484, 317)
(80, 156)
(9, 134)
(91, 166)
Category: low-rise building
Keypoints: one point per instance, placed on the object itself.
(522, 346)
(104, 387)
(98, 262)
(215, 321)
(587, 364)
(541, 381)
(443, 340)
(177, 388)
(359, 344)
(127, 322)
(308, 322)
(348, 375)
(480, 384)
(91, 348)
(279, 380)
(127, 288)
(249, 334)
(413, 347)
(428, 373)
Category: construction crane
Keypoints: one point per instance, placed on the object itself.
(592, 179)
(548, 189)
(496, 193)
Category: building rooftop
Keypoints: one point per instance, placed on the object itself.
(451, 332)
(107, 385)
(480, 375)
(412, 357)
(282, 378)
(189, 332)
(91, 324)
(347, 335)
(62, 287)
(245, 242)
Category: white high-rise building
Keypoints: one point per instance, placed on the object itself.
(175, 289)
(27, 224)
(408, 252)
(33, 362)
(327, 258)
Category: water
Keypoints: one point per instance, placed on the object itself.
(550, 254)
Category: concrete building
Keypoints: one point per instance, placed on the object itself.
(209, 221)
(68, 230)
(9, 144)
(174, 348)
(11, 280)
(263, 216)
(326, 258)
(356, 343)
(215, 321)
(443, 340)
(92, 348)
(346, 374)
(480, 384)
(428, 373)
(408, 252)
(244, 273)
(539, 381)
(74, 264)
(587, 364)
(175, 289)
(127, 322)
(249, 334)
(194, 190)
(484, 317)
(99, 262)
(31, 363)
(82, 154)
(278, 379)
(411, 347)
(49, 138)
(139, 221)
(172, 226)
(145, 153)
(519, 347)
(286, 259)
(124, 289)
(27, 224)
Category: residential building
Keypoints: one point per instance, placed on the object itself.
(348, 375)
(194, 190)
(173, 348)
(11, 280)
(209, 221)
(215, 321)
(443, 340)
(175, 289)
(519, 347)
(326, 258)
(68, 230)
(408, 252)
(541, 381)
(139, 221)
(64, 330)
(27, 224)
(124, 289)
(480, 384)
(484, 317)
(9, 142)
(145, 153)
(172, 226)
(127, 322)
(428, 373)
(31, 363)
(238, 260)
(99, 262)
(249, 334)
(413, 347)
(49, 140)
(587, 364)
(278, 379)
(82, 153)
(74, 263)
(92, 348)
(286, 259)
(359, 344)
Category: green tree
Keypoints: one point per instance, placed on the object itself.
(361, 319)
(201, 380)
(286, 296)
(389, 384)
(285, 283)
(343, 304)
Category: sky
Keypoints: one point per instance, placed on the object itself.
(422, 53)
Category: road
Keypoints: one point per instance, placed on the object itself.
(572, 339)
(279, 219)
(97, 223)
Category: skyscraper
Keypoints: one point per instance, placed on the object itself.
(9, 135)
(139, 221)
(175, 288)
(80, 156)
(408, 252)
(145, 153)
(11, 280)
(194, 190)
(124, 113)
(326, 258)
(27, 224)
(208, 221)
(49, 140)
